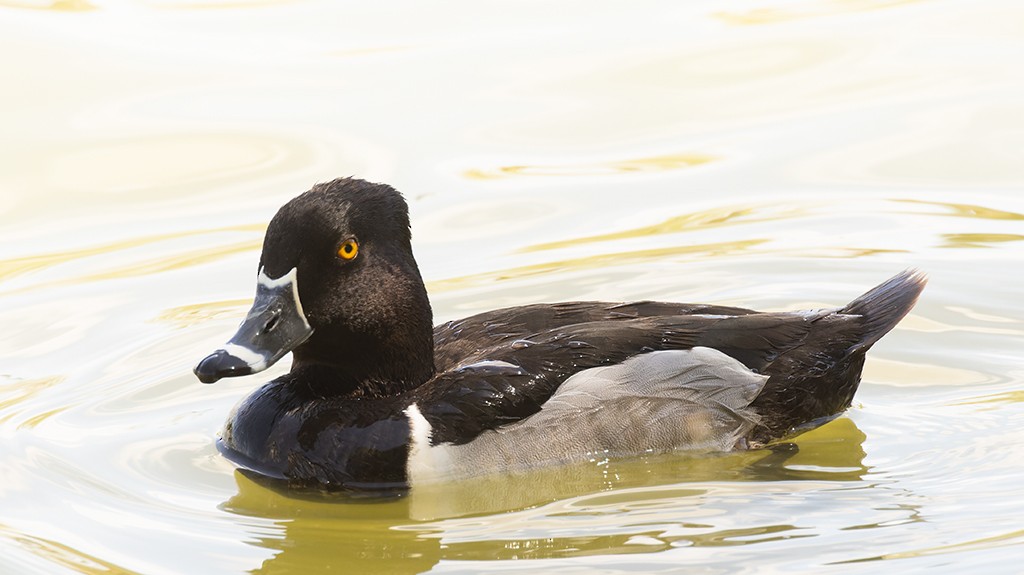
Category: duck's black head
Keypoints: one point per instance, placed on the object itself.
(339, 287)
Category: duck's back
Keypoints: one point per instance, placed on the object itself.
(456, 340)
(514, 399)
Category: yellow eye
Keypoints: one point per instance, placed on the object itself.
(348, 250)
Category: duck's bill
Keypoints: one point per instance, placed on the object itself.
(274, 326)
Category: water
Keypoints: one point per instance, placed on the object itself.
(775, 156)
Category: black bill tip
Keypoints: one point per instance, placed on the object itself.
(221, 364)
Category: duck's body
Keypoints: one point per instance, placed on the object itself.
(373, 400)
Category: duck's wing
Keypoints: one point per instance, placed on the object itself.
(504, 384)
(813, 358)
(692, 399)
(454, 340)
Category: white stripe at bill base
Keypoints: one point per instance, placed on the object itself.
(253, 359)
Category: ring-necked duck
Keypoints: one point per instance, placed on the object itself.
(378, 397)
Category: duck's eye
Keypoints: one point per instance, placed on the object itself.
(348, 249)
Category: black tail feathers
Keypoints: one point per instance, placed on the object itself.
(884, 306)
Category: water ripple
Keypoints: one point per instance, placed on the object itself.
(594, 261)
(611, 167)
(54, 5)
(805, 10)
(57, 553)
(691, 221)
(979, 544)
(14, 267)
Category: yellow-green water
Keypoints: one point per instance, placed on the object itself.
(764, 154)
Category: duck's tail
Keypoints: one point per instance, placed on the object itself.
(815, 381)
(885, 305)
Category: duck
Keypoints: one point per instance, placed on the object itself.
(377, 397)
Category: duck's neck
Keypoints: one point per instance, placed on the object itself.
(392, 356)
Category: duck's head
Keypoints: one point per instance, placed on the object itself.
(338, 286)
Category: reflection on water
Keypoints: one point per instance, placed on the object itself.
(969, 210)
(591, 262)
(979, 240)
(837, 450)
(131, 165)
(694, 221)
(653, 164)
(907, 374)
(1007, 397)
(773, 156)
(494, 518)
(58, 554)
(196, 314)
(359, 534)
(14, 267)
(807, 9)
(15, 394)
(56, 5)
(17, 266)
(213, 4)
(981, 544)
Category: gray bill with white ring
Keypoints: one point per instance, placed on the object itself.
(274, 326)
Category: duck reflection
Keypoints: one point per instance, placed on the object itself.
(401, 532)
(309, 534)
(831, 453)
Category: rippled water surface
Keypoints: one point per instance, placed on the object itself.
(763, 154)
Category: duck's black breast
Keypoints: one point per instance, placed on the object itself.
(287, 431)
